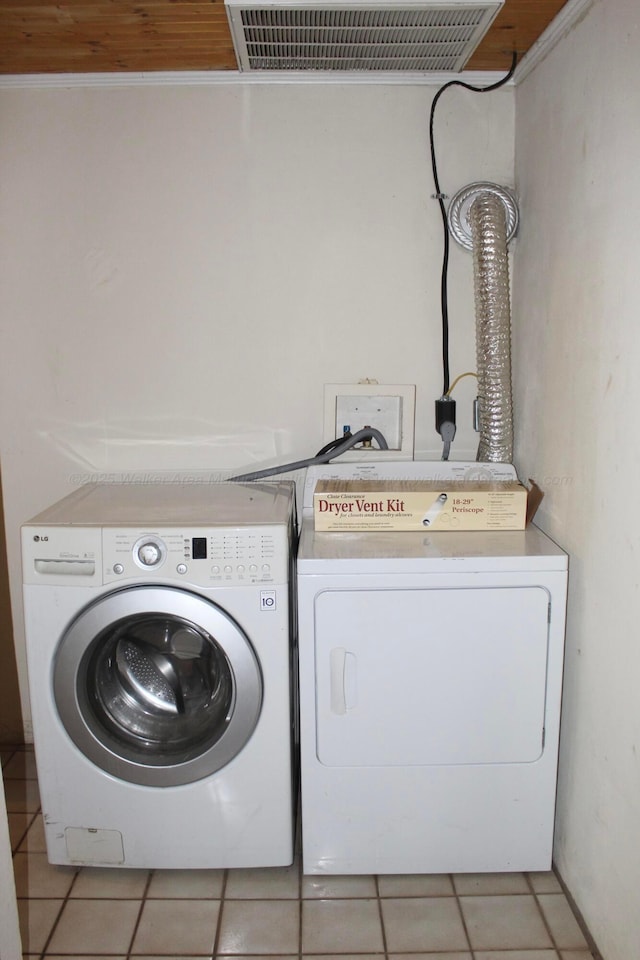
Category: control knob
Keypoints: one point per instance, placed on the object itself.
(149, 553)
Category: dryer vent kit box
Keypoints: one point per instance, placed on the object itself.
(377, 505)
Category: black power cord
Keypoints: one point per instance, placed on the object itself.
(445, 407)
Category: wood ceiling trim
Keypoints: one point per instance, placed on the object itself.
(177, 35)
(517, 27)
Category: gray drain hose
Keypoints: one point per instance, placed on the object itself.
(367, 433)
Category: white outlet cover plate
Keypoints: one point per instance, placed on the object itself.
(407, 395)
(382, 412)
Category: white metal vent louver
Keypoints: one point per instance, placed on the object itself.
(389, 35)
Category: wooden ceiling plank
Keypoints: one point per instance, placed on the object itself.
(68, 35)
(133, 16)
(187, 34)
(517, 27)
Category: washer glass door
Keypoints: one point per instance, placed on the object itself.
(157, 685)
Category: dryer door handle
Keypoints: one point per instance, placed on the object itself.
(342, 669)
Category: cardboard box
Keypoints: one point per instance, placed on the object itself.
(377, 505)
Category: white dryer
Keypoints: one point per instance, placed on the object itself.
(160, 653)
(430, 687)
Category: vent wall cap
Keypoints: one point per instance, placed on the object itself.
(460, 207)
(357, 36)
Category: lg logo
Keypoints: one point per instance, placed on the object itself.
(38, 539)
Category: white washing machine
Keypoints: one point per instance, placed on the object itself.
(430, 687)
(160, 652)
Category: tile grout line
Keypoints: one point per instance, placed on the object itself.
(62, 906)
(14, 751)
(223, 898)
(462, 916)
(23, 836)
(591, 944)
(143, 901)
(385, 945)
(547, 924)
(541, 912)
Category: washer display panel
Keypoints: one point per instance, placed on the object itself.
(157, 685)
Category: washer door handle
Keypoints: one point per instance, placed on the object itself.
(342, 669)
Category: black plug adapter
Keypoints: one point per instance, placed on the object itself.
(446, 418)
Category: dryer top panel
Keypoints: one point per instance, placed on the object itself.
(198, 504)
(397, 552)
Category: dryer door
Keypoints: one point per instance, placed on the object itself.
(157, 686)
(431, 676)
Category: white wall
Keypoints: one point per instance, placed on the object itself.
(182, 269)
(576, 362)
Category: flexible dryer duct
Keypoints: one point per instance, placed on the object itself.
(493, 328)
(491, 220)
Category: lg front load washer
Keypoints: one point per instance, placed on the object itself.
(430, 684)
(160, 653)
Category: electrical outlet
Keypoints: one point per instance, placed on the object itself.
(390, 408)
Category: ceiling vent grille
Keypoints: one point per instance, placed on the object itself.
(355, 37)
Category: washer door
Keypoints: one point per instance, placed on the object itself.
(157, 686)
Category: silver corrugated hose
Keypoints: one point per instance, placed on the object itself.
(493, 327)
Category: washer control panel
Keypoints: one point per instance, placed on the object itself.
(218, 556)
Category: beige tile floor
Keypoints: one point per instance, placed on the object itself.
(119, 914)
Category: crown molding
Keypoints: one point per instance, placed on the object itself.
(564, 21)
(221, 78)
